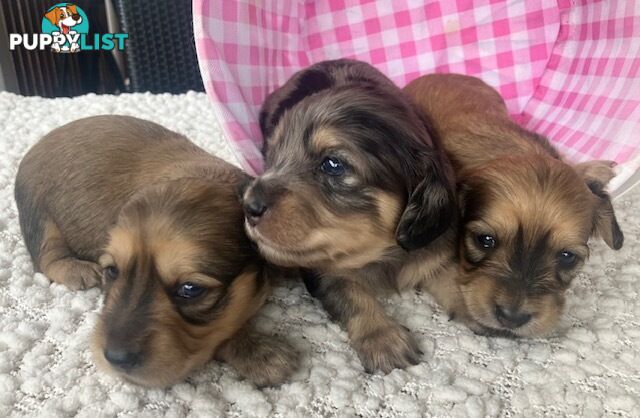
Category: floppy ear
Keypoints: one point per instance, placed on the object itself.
(53, 16)
(431, 209)
(300, 85)
(597, 175)
(72, 8)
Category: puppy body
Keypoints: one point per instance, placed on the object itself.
(355, 193)
(526, 213)
(125, 203)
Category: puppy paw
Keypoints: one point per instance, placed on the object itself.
(388, 348)
(82, 275)
(73, 273)
(270, 364)
(264, 360)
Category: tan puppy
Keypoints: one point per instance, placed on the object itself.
(125, 203)
(526, 213)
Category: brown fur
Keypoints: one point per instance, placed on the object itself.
(514, 186)
(353, 233)
(115, 193)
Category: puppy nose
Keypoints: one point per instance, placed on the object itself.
(254, 207)
(122, 359)
(511, 318)
(254, 203)
(76, 17)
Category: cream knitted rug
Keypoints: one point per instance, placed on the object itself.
(591, 368)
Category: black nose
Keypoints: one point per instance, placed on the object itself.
(511, 318)
(254, 203)
(122, 358)
(255, 207)
(76, 17)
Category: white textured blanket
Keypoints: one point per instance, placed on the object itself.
(591, 368)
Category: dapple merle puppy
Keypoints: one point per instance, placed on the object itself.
(357, 194)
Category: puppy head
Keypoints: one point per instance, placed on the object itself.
(349, 172)
(179, 278)
(525, 226)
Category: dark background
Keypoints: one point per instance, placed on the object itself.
(159, 56)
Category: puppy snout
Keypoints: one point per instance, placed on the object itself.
(124, 341)
(511, 317)
(255, 207)
(122, 358)
(76, 17)
(255, 203)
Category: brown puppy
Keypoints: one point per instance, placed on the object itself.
(353, 182)
(155, 219)
(526, 213)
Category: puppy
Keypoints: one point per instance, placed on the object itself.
(125, 203)
(527, 214)
(356, 193)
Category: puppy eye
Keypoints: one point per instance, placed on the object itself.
(332, 166)
(486, 241)
(566, 259)
(189, 291)
(111, 273)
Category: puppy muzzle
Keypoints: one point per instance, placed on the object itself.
(255, 203)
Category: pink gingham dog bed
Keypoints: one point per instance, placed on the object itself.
(567, 69)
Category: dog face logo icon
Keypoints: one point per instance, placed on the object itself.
(65, 22)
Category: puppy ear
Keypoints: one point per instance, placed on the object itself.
(431, 209)
(72, 8)
(52, 16)
(302, 84)
(597, 175)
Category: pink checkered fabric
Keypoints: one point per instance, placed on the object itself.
(567, 69)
